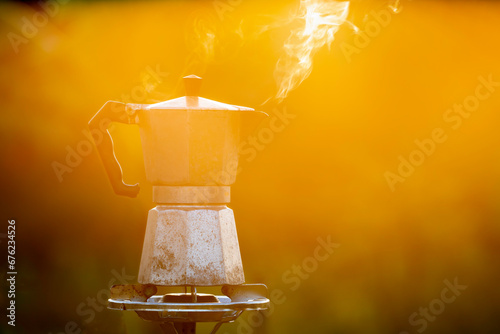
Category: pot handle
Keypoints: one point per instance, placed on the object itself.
(113, 111)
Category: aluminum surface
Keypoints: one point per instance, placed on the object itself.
(191, 245)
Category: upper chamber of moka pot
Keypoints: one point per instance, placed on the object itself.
(192, 142)
(190, 145)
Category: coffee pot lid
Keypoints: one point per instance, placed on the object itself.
(192, 101)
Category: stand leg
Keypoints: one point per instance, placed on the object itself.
(216, 328)
(179, 328)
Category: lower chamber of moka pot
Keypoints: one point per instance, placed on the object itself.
(179, 312)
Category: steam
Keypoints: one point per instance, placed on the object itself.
(319, 21)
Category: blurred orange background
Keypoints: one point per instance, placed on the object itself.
(324, 175)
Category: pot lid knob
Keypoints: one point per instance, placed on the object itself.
(192, 84)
